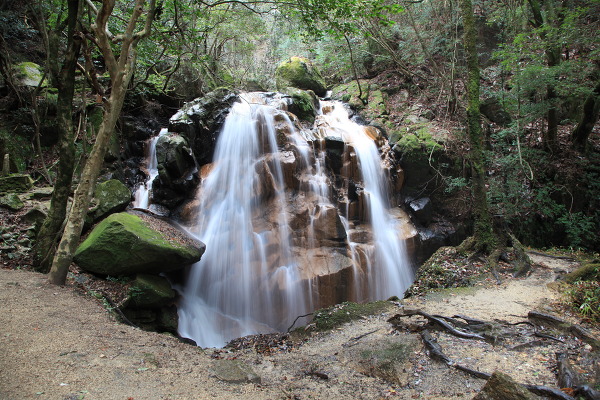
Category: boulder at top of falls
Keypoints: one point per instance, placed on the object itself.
(127, 243)
(176, 167)
(174, 156)
(109, 197)
(300, 73)
(199, 122)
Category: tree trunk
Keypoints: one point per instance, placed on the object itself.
(52, 226)
(87, 183)
(483, 231)
(589, 117)
(121, 70)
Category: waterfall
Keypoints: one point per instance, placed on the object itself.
(142, 194)
(270, 238)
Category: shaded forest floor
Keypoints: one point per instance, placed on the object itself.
(60, 343)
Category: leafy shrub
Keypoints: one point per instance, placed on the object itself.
(585, 298)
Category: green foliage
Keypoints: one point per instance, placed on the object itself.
(585, 298)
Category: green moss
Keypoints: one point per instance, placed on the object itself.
(303, 105)
(587, 272)
(124, 244)
(416, 137)
(331, 317)
(29, 73)
(299, 72)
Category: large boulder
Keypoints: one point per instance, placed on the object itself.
(199, 122)
(126, 244)
(109, 197)
(298, 72)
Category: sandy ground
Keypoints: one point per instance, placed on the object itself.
(58, 344)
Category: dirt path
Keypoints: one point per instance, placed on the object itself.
(58, 344)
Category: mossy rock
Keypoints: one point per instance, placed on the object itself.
(126, 244)
(415, 137)
(28, 74)
(304, 103)
(587, 272)
(300, 73)
(150, 291)
(332, 317)
(109, 197)
(12, 202)
(349, 93)
(384, 357)
(502, 387)
(234, 371)
(15, 183)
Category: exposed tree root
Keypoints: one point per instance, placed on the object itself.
(567, 379)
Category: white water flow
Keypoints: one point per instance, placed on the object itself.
(142, 194)
(251, 278)
(246, 281)
(393, 274)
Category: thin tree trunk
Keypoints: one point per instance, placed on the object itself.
(52, 226)
(87, 183)
(483, 232)
(589, 117)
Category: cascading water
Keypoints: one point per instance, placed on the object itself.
(247, 276)
(273, 242)
(142, 194)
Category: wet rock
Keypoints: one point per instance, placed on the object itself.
(199, 122)
(125, 244)
(109, 197)
(300, 73)
(176, 171)
(174, 156)
(234, 371)
(327, 224)
(12, 202)
(334, 153)
(304, 103)
(502, 387)
(422, 210)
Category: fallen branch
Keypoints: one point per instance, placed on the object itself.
(296, 320)
(443, 324)
(116, 308)
(355, 340)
